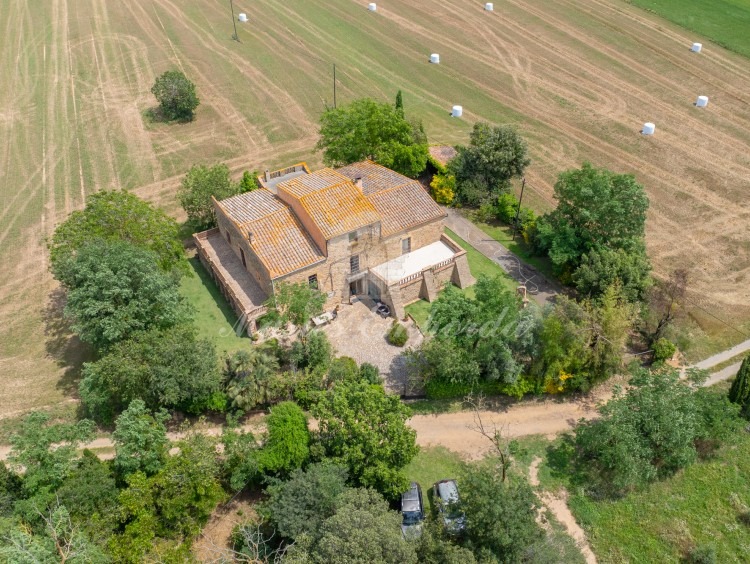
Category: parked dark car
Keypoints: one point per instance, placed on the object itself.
(445, 495)
(412, 509)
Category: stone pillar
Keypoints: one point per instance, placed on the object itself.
(397, 302)
(429, 290)
(461, 276)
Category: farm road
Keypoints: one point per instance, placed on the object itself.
(453, 430)
(539, 288)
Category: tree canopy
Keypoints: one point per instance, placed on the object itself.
(295, 303)
(596, 209)
(300, 504)
(739, 393)
(118, 216)
(500, 515)
(176, 95)
(141, 443)
(649, 432)
(366, 129)
(116, 289)
(199, 185)
(364, 428)
(287, 443)
(362, 529)
(169, 368)
(484, 168)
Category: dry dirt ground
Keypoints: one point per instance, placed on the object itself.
(579, 78)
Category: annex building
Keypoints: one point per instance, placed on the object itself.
(358, 230)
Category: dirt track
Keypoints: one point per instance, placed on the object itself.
(579, 78)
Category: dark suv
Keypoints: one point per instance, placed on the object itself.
(445, 494)
(412, 509)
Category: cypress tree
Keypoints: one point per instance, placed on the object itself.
(740, 391)
(399, 103)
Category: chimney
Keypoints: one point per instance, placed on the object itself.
(358, 182)
(249, 237)
(267, 175)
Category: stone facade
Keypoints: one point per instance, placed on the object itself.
(342, 261)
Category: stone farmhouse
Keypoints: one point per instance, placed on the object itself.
(360, 230)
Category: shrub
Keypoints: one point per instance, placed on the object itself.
(398, 335)
(486, 212)
(664, 349)
(702, 554)
(443, 188)
(507, 206)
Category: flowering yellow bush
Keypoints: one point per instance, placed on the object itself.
(556, 385)
(443, 188)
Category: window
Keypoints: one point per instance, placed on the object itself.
(229, 238)
(242, 255)
(354, 263)
(312, 281)
(406, 245)
(353, 237)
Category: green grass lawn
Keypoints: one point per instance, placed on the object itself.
(705, 504)
(726, 22)
(431, 465)
(478, 265)
(213, 317)
(503, 234)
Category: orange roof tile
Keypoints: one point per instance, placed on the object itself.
(374, 177)
(308, 183)
(403, 207)
(276, 235)
(339, 209)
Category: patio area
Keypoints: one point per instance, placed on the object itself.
(360, 333)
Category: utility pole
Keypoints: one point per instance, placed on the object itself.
(334, 85)
(234, 23)
(518, 211)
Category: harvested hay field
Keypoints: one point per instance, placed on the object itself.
(579, 79)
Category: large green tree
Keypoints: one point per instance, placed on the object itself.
(649, 432)
(116, 289)
(500, 514)
(601, 268)
(366, 129)
(47, 451)
(295, 303)
(596, 209)
(287, 442)
(141, 443)
(171, 368)
(362, 529)
(739, 393)
(200, 184)
(176, 95)
(484, 168)
(300, 504)
(364, 428)
(118, 216)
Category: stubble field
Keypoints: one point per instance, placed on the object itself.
(578, 77)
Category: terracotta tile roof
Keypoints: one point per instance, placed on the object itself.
(276, 235)
(403, 207)
(374, 176)
(308, 183)
(282, 243)
(339, 209)
(443, 153)
(251, 205)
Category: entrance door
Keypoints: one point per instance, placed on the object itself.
(357, 287)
